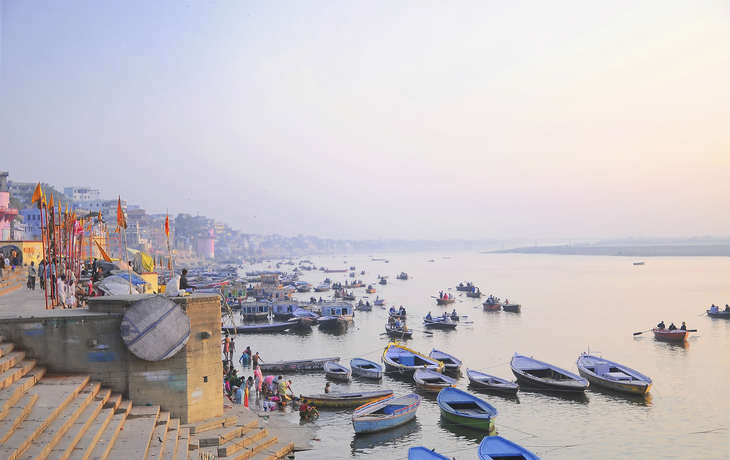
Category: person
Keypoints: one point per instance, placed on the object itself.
(281, 388)
(303, 408)
(392, 310)
(727, 308)
(267, 384)
(249, 383)
(172, 289)
(41, 273)
(245, 358)
(672, 327)
(402, 311)
(661, 325)
(70, 294)
(327, 387)
(259, 378)
(445, 316)
(684, 326)
(238, 392)
(61, 291)
(428, 317)
(2, 265)
(453, 313)
(391, 321)
(714, 309)
(255, 360)
(184, 281)
(398, 324)
(226, 342)
(232, 349)
(32, 272)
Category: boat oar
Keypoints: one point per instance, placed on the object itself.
(421, 330)
(639, 333)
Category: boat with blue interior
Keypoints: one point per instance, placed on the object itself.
(335, 315)
(386, 413)
(499, 448)
(537, 374)
(366, 369)
(612, 375)
(399, 358)
(465, 409)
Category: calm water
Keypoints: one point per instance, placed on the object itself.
(570, 304)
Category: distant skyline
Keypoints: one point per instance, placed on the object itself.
(394, 120)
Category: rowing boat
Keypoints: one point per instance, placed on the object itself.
(316, 364)
(439, 323)
(259, 328)
(677, 335)
(432, 381)
(386, 413)
(537, 374)
(339, 400)
(498, 448)
(401, 333)
(488, 382)
(612, 375)
(366, 369)
(444, 301)
(398, 358)
(422, 453)
(336, 371)
(451, 363)
(513, 307)
(465, 409)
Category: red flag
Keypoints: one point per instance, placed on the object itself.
(167, 226)
(121, 221)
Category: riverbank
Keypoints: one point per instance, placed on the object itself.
(700, 250)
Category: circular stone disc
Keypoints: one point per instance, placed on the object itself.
(155, 328)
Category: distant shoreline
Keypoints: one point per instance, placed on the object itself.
(700, 250)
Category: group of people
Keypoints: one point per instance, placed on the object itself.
(400, 312)
(444, 317)
(715, 309)
(444, 295)
(672, 327)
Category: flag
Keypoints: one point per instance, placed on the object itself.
(167, 226)
(37, 194)
(50, 202)
(103, 253)
(121, 221)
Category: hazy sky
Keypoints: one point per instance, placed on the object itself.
(372, 119)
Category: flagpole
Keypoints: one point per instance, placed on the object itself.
(44, 232)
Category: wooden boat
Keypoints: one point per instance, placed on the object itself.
(340, 400)
(638, 263)
(474, 294)
(451, 363)
(432, 381)
(259, 328)
(492, 305)
(370, 289)
(324, 287)
(284, 309)
(336, 371)
(612, 375)
(396, 315)
(392, 331)
(349, 296)
(383, 281)
(397, 357)
(379, 302)
(464, 287)
(254, 311)
(422, 453)
(364, 307)
(366, 369)
(335, 315)
(676, 335)
(537, 374)
(439, 323)
(327, 270)
(719, 314)
(498, 448)
(445, 301)
(402, 276)
(316, 364)
(465, 409)
(513, 307)
(386, 413)
(301, 322)
(488, 382)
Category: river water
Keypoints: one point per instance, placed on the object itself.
(570, 304)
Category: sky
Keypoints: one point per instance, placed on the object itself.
(379, 119)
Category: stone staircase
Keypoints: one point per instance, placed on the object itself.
(70, 417)
(14, 280)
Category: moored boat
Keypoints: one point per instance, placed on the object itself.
(397, 357)
(259, 328)
(482, 381)
(316, 364)
(423, 453)
(338, 400)
(336, 371)
(386, 413)
(538, 374)
(399, 333)
(432, 381)
(498, 448)
(451, 363)
(324, 287)
(335, 315)
(255, 311)
(301, 322)
(612, 375)
(465, 409)
(676, 335)
(366, 369)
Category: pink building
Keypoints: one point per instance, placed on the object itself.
(206, 245)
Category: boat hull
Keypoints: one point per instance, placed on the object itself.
(366, 369)
(512, 307)
(495, 447)
(451, 363)
(398, 358)
(336, 371)
(260, 328)
(611, 375)
(299, 365)
(403, 412)
(537, 374)
(392, 332)
(432, 381)
(439, 324)
(719, 314)
(492, 306)
(465, 409)
(670, 336)
(491, 383)
(445, 301)
(340, 400)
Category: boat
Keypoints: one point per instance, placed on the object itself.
(401, 333)
(513, 307)
(498, 448)
(423, 453)
(349, 297)
(638, 263)
(253, 311)
(302, 322)
(488, 382)
(340, 400)
(465, 287)
(383, 281)
(324, 287)
(335, 315)
(445, 301)
(677, 335)
(284, 309)
(432, 381)
(366, 369)
(454, 316)
(475, 293)
(396, 315)
(397, 357)
(336, 371)
(316, 364)
(402, 276)
(439, 323)
(537, 374)
(719, 314)
(259, 328)
(379, 302)
(465, 409)
(612, 375)
(370, 289)
(492, 304)
(327, 270)
(364, 307)
(386, 413)
(451, 363)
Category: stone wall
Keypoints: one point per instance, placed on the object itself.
(188, 385)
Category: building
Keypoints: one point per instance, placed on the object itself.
(106, 208)
(7, 214)
(32, 220)
(82, 193)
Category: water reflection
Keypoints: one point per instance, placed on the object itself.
(609, 395)
(509, 396)
(579, 397)
(466, 433)
(401, 434)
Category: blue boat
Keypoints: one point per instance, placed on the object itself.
(366, 369)
(336, 371)
(422, 453)
(451, 363)
(537, 374)
(465, 409)
(496, 447)
(385, 413)
(335, 315)
(398, 358)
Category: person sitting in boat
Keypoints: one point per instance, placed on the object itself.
(672, 327)
(402, 311)
(445, 316)
(661, 325)
(391, 321)
(714, 309)
(727, 308)
(392, 310)
(367, 303)
(398, 324)
(684, 326)
(428, 317)
(453, 313)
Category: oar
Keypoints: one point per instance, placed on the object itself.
(421, 330)
(639, 333)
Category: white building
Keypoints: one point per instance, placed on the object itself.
(82, 193)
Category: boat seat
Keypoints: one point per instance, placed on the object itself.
(389, 409)
(617, 376)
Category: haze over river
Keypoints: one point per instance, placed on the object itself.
(570, 304)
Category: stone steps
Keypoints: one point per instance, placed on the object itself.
(69, 417)
(13, 281)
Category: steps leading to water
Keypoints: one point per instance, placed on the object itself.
(13, 280)
(69, 417)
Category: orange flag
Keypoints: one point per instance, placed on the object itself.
(50, 202)
(37, 194)
(121, 221)
(167, 226)
(103, 253)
